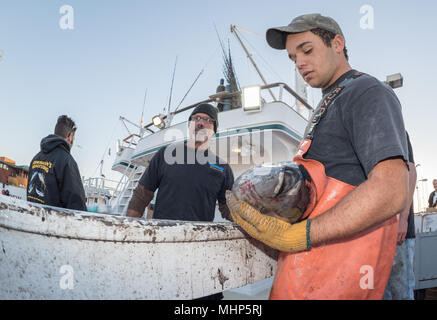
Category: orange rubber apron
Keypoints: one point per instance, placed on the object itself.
(353, 268)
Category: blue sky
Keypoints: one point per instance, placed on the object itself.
(101, 69)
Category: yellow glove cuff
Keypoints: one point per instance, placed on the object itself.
(274, 232)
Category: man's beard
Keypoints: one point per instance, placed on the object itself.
(202, 134)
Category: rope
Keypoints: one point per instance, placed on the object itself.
(249, 31)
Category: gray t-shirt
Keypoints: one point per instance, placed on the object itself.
(361, 127)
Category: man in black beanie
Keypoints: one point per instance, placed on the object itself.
(191, 179)
(203, 123)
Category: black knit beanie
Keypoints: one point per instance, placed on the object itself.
(209, 110)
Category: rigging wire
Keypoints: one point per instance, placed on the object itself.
(262, 58)
(192, 85)
(211, 57)
(250, 31)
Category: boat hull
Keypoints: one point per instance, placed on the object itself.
(49, 253)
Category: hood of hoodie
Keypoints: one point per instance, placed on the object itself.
(52, 142)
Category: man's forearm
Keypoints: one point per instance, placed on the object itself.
(380, 197)
(224, 210)
(140, 199)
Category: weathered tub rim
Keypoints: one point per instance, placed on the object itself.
(20, 215)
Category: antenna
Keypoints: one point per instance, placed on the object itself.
(172, 81)
(142, 113)
(197, 78)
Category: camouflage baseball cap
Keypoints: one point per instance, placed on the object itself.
(276, 37)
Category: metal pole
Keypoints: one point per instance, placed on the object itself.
(233, 30)
(281, 88)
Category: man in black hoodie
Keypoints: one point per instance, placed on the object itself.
(54, 177)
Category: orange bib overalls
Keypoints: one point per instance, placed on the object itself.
(353, 268)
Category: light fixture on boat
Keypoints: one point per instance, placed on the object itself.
(395, 80)
(251, 98)
(158, 121)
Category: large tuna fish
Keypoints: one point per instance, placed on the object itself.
(276, 189)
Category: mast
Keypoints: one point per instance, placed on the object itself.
(234, 31)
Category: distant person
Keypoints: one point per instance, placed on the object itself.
(227, 103)
(220, 88)
(432, 201)
(7, 193)
(191, 179)
(4, 192)
(54, 177)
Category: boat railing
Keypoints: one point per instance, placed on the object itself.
(100, 188)
(282, 87)
(130, 141)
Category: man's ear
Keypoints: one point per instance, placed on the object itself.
(338, 43)
(70, 138)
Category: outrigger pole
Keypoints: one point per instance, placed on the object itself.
(172, 82)
(234, 31)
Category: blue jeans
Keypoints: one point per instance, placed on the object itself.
(401, 283)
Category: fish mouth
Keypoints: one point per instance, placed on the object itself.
(289, 178)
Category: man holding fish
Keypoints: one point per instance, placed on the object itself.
(353, 159)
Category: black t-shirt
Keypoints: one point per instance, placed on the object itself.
(361, 127)
(189, 183)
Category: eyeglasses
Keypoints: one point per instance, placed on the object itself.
(205, 119)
